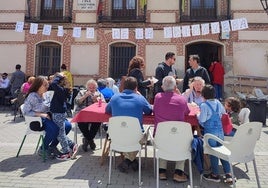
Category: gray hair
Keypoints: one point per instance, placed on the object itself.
(168, 83)
(91, 81)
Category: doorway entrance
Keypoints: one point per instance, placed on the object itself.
(207, 52)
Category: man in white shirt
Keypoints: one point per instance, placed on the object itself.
(4, 81)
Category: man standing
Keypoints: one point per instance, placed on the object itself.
(17, 79)
(217, 72)
(170, 106)
(164, 69)
(129, 103)
(194, 70)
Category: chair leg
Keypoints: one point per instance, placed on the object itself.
(256, 173)
(43, 148)
(38, 143)
(21, 145)
(75, 133)
(191, 173)
(100, 129)
(140, 168)
(232, 172)
(110, 167)
(157, 173)
(105, 151)
(246, 165)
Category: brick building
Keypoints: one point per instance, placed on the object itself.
(243, 52)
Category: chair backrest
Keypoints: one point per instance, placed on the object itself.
(28, 120)
(243, 143)
(244, 115)
(125, 133)
(174, 139)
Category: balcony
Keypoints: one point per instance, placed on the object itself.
(204, 10)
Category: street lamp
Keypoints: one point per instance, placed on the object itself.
(265, 5)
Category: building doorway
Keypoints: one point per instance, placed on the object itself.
(120, 55)
(207, 52)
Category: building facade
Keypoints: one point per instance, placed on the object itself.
(100, 37)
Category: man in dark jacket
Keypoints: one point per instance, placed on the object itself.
(195, 70)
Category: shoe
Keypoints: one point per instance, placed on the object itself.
(64, 157)
(212, 177)
(134, 165)
(85, 144)
(228, 179)
(74, 152)
(180, 178)
(162, 176)
(48, 153)
(92, 145)
(54, 151)
(124, 165)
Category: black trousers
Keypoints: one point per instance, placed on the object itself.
(89, 133)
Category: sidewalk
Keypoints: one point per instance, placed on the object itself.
(28, 170)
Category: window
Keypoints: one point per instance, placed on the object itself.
(203, 8)
(51, 9)
(124, 9)
(48, 58)
(120, 55)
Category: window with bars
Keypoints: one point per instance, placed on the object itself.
(48, 58)
(124, 9)
(120, 55)
(203, 9)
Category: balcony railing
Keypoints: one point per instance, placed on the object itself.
(216, 11)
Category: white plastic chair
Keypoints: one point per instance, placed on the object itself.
(172, 142)
(125, 133)
(233, 150)
(48, 96)
(28, 120)
(244, 115)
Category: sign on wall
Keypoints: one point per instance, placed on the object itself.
(86, 4)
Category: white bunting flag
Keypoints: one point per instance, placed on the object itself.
(205, 29)
(186, 31)
(196, 30)
(167, 32)
(149, 33)
(139, 33)
(235, 24)
(60, 31)
(90, 33)
(215, 27)
(116, 34)
(243, 23)
(176, 31)
(33, 28)
(124, 33)
(77, 32)
(225, 26)
(19, 26)
(46, 29)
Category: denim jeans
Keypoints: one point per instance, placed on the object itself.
(68, 127)
(218, 90)
(215, 160)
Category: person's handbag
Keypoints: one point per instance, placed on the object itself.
(226, 123)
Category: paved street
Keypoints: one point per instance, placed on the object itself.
(28, 170)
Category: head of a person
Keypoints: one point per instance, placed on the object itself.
(208, 92)
(130, 83)
(194, 60)
(198, 83)
(136, 62)
(91, 85)
(4, 75)
(62, 79)
(39, 85)
(18, 67)
(31, 79)
(168, 83)
(232, 104)
(110, 82)
(63, 67)
(102, 83)
(50, 78)
(170, 58)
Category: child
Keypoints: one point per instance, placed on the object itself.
(58, 110)
(210, 118)
(243, 115)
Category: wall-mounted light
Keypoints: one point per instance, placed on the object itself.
(265, 5)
